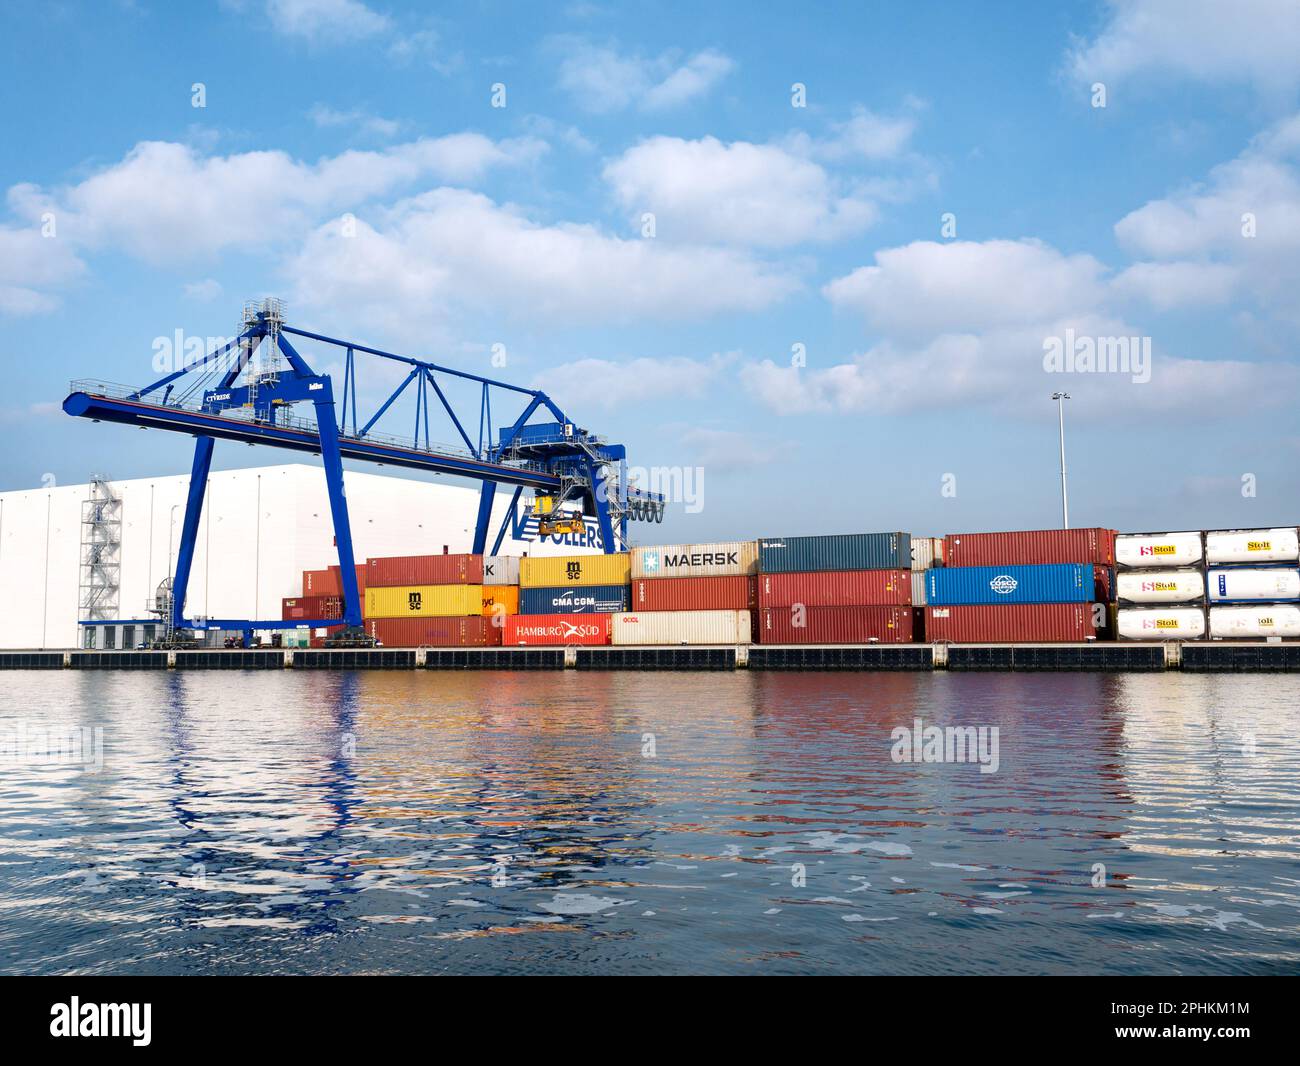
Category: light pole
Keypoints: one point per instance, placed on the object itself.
(171, 525)
(1060, 398)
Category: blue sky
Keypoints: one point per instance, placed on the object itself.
(1172, 213)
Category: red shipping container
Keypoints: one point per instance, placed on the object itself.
(337, 571)
(557, 629)
(321, 582)
(311, 608)
(467, 632)
(835, 625)
(329, 582)
(694, 594)
(1096, 546)
(424, 570)
(836, 588)
(1000, 623)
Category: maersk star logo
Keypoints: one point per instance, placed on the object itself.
(1004, 584)
(651, 563)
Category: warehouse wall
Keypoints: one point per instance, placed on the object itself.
(260, 529)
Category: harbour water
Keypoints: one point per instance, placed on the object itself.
(586, 823)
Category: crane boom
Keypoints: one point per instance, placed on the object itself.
(228, 395)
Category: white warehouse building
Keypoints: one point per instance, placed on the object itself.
(260, 529)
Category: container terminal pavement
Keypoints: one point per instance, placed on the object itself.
(1050, 599)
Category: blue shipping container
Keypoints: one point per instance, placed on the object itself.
(955, 586)
(846, 551)
(588, 599)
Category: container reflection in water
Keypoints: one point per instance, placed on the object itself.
(463, 822)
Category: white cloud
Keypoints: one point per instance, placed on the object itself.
(740, 193)
(328, 117)
(446, 250)
(1179, 284)
(865, 135)
(967, 286)
(606, 384)
(322, 21)
(725, 449)
(424, 46)
(1242, 221)
(602, 80)
(1001, 373)
(31, 264)
(204, 291)
(1204, 40)
(966, 323)
(693, 78)
(166, 202)
(548, 129)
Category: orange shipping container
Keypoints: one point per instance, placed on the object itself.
(500, 600)
(321, 582)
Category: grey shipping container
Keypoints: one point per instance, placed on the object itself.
(918, 588)
(845, 551)
(926, 552)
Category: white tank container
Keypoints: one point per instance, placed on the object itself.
(681, 627)
(1267, 585)
(1253, 546)
(1161, 623)
(731, 558)
(1157, 549)
(1160, 586)
(1271, 620)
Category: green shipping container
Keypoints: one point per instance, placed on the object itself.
(845, 551)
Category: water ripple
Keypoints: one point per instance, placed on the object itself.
(639, 823)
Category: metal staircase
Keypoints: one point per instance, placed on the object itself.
(101, 552)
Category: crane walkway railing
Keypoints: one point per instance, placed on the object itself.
(116, 391)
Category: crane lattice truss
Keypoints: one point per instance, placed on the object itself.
(246, 389)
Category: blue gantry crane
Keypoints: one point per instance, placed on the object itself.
(239, 393)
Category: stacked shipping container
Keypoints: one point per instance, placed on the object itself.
(438, 600)
(842, 589)
(1043, 585)
(1160, 586)
(1037, 585)
(1252, 583)
(553, 590)
(690, 594)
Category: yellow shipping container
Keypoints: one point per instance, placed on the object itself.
(504, 597)
(566, 570)
(424, 601)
